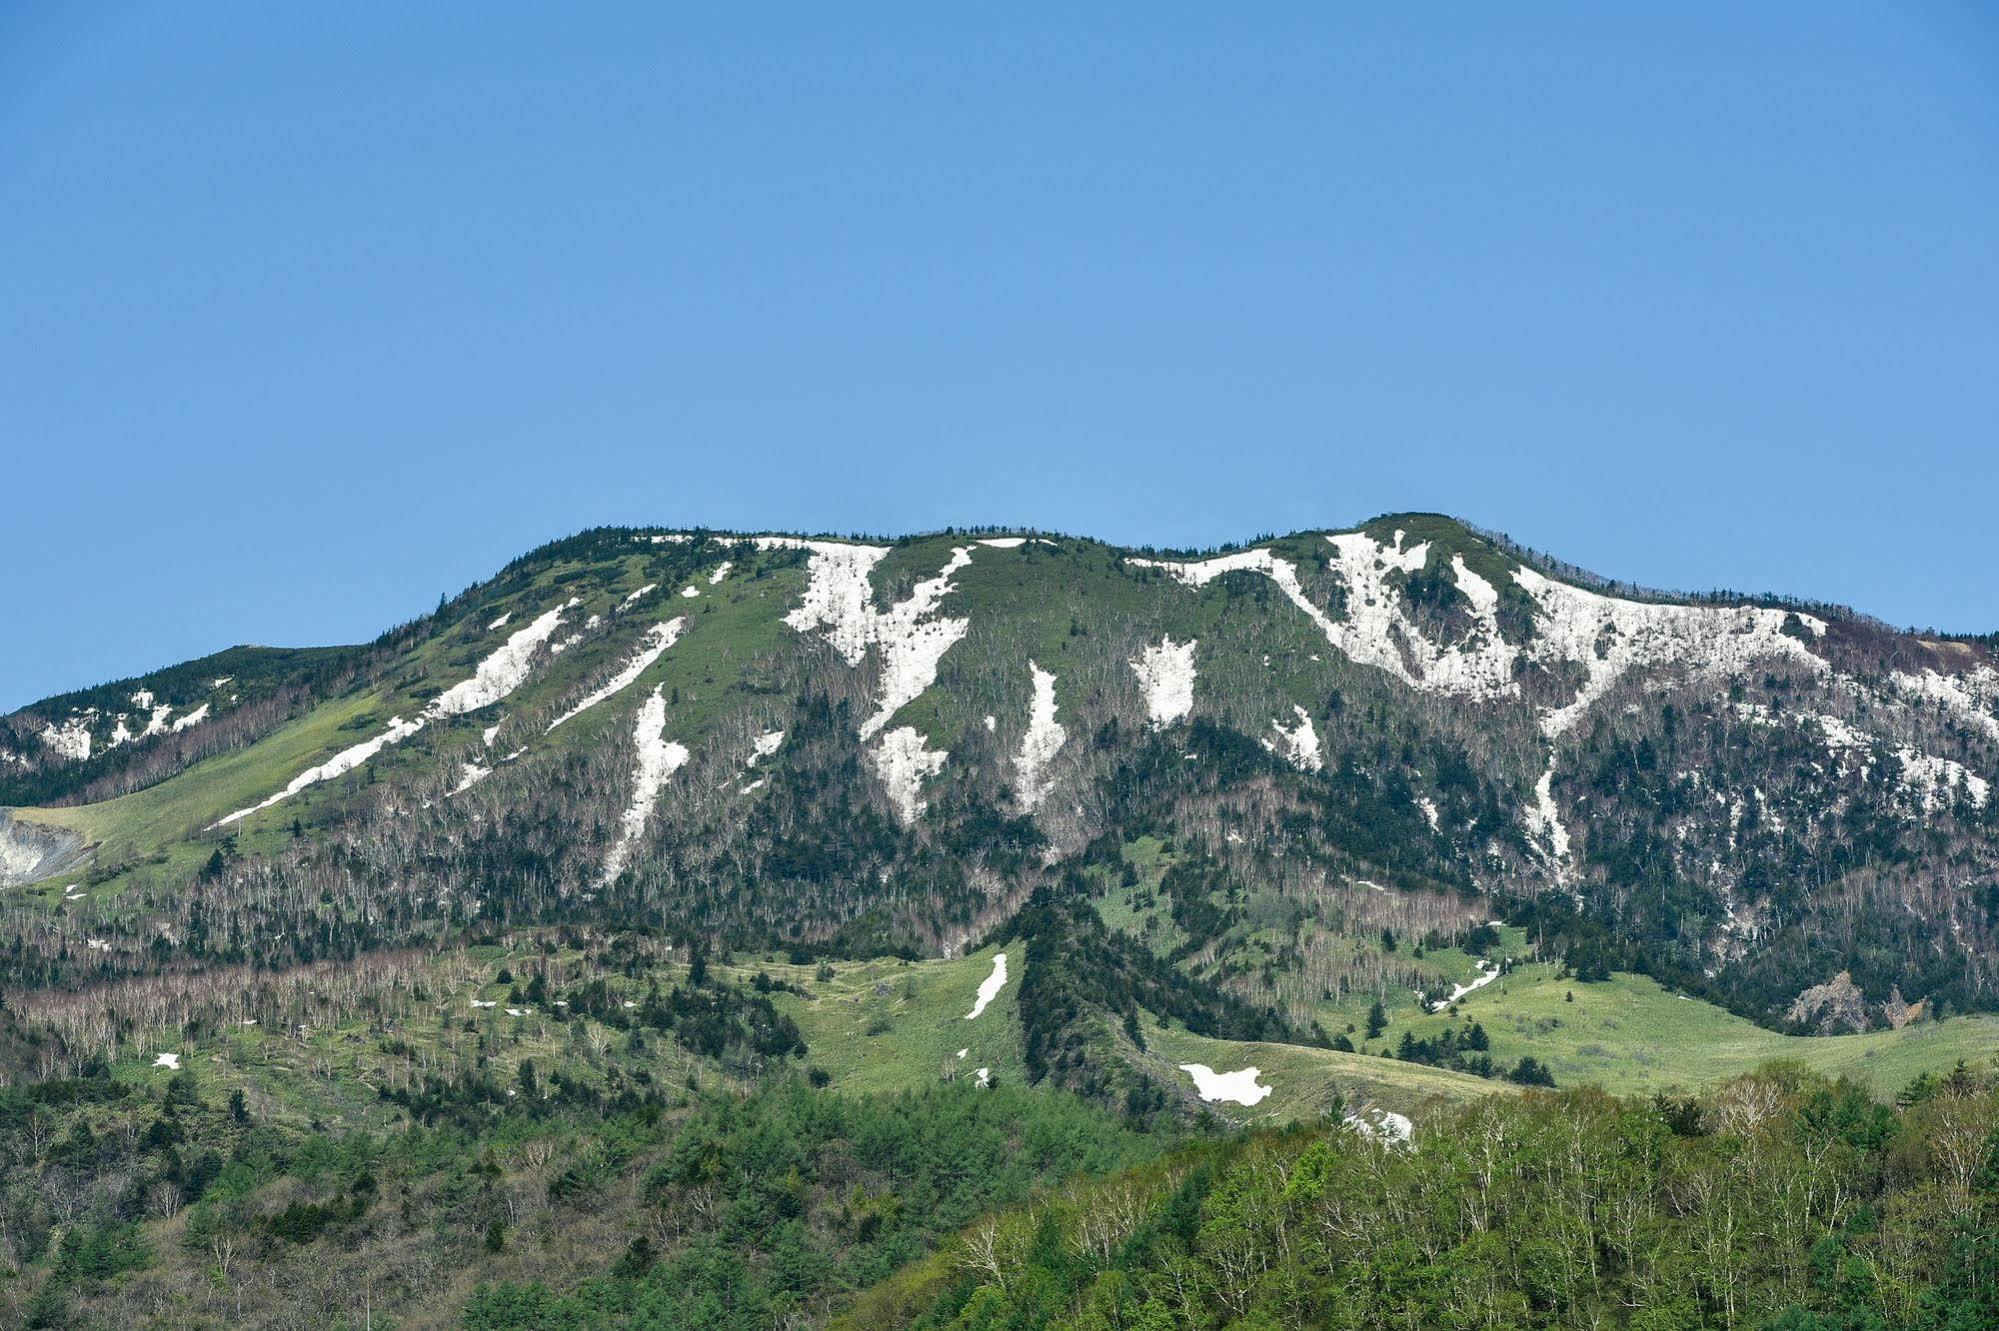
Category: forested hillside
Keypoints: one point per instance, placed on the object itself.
(691, 929)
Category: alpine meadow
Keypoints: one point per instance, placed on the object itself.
(1394, 927)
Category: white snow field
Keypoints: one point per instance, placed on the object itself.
(990, 987)
(909, 636)
(1044, 739)
(1604, 635)
(1166, 675)
(764, 745)
(652, 645)
(658, 759)
(168, 1061)
(1239, 1088)
(499, 674)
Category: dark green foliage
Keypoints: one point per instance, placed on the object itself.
(812, 1197)
(1082, 982)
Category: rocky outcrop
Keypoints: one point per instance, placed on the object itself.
(31, 851)
(1829, 1008)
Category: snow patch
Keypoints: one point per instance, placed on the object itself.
(499, 674)
(990, 986)
(764, 745)
(658, 759)
(1384, 1125)
(652, 645)
(1166, 675)
(1239, 1088)
(1544, 819)
(630, 597)
(339, 764)
(1973, 695)
(1003, 542)
(1483, 974)
(1604, 635)
(501, 622)
(721, 572)
(171, 1062)
(904, 762)
(472, 776)
(70, 740)
(909, 636)
(1299, 745)
(1044, 739)
(193, 718)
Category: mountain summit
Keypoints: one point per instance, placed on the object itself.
(780, 741)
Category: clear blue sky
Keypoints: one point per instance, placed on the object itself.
(308, 313)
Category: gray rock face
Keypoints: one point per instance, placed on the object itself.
(30, 851)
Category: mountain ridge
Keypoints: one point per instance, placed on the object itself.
(1698, 776)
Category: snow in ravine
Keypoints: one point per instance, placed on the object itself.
(1544, 818)
(1239, 1088)
(651, 646)
(913, 641)
(658, 759)
(632, 596)
(501, 622)
(990, 987)
(910, 636)
(721, 572)
(1166, 675)
(1044, 739)
(1299, 745)
(904, 762)
(339, 764)
(193, 718)
(764, 745)
(472, 776)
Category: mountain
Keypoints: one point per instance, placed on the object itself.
(694, 929)
(784, 741)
